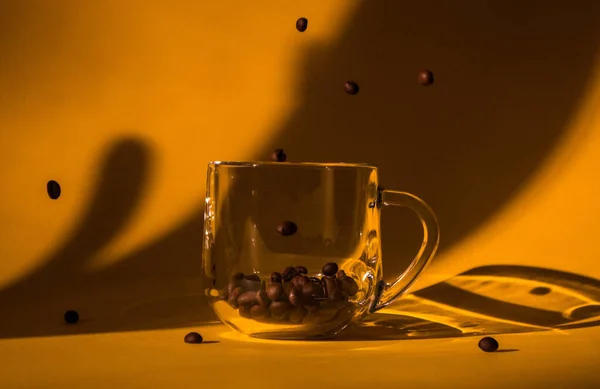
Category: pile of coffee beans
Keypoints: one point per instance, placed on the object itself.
(291, 296)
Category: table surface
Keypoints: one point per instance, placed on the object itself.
(428, 357)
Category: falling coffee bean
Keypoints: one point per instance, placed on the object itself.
(488, 344)
(278, 155)
(71, 317)
(193, 337)
(301, 24)
(351, 87)
(301, 270)
(287, 228)
(289, 273)
(53, 189)
(425, 77)
(276, 278)
(330, 269)
(275, 292)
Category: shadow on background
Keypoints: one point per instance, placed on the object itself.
(508, 79)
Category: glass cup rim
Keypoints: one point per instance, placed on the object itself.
(255, 164)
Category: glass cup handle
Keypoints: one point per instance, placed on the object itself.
(388, 293)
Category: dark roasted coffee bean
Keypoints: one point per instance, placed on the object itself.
(340, 274)
(53, 189)
(233, 297)
(252, 277)
(315, 280)
(331, 285)
(288, 274)
(193, 337)
(247, 298)
(488, 344)
(280, 309)
(313, 289)
(296, 298)
(348, 285)
(275, 292)
(287, 228)
(300, 280)
(425, 77)
(287, 287)
(301, 270)
(259, 312)
(338, 296)
(262, 298)
(302, 24)
(71, 317)
(276, 278)
(351, 87)
(330, 269)
(245, 311)
(278, 155)
(237, 276)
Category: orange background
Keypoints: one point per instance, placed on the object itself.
(124, 104)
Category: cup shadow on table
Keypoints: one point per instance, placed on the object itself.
(488, 300)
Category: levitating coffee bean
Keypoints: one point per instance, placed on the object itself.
(351, 87)
(247, 298)
(263, 298)
(300, 280)
(278, 155)
(71, 317)
(276, 278)
(233, 297)
(193, 337)
(280, 309)
(245, 311)
(275, 292)
(288, 274)
(296, 298)
(488, 344)
(425, 77)
(287, 228)
(252, 277)
(301, 270)
(348, 285)
(340, 274)
(301, 24)
(259, 312)
(330, 269)
(297, 314)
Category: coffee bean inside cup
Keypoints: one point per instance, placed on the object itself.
(292, 295)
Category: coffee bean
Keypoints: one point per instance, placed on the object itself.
(276, 278)
(252, 277)
(280, 309)
(287, 228)
(237, 276)
(348, 285)
(488, 344)
(262, 298)
(313, 289)
(301, 270)
(287, 287)
(278, 155)
(193, 337)
(71, 317)
(259, 312)
(233, 297)
(351, 87)
(275, 292)
(289, 273)
(245, 311)
(296, 298)
(297, 314)
(338, 298)
(314, 280)
(425, 77)
(330, 269)
(53, 189)
(300, 280)
(247, 298)
(340, 274)
(302, 24)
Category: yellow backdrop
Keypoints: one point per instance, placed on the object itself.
(124, 103)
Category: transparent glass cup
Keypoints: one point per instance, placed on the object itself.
(292, 250)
